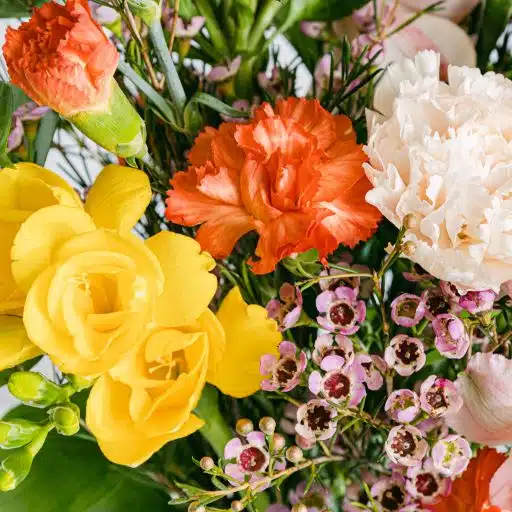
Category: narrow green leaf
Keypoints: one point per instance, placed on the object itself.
(44, 137)
(215, 104)
(6, 110)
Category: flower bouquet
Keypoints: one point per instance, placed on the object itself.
(256, 254)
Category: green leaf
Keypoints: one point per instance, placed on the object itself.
(187, 9)
(496, 16)
(72, 475)
(215, 104)
(6, 110)
(44, 137)
(310, 50)
(18, 8)
(322, 10)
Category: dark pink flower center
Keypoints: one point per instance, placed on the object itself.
(341, 313)
(286, 370)
(426, 484)
(393, 498)
(318, 418)
(407, 352)
(337, 385)
(436, 399)
(404, 443)
(252, 459)
(438, 304)
(334, 351)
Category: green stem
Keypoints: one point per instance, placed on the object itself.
(216, 35)
(172, 79)
(37, 443)
(265, 17)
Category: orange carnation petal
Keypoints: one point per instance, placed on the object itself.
(470, 492)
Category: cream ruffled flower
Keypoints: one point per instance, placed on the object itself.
(443, 152)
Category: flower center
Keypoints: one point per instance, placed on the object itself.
(408, 309)
(334, 351)
(404, 443)
(437, 305)
(337, 385)
(393, 498)
(426, 484)
(341, 313)
(407, 352)
(286, 370)
(318, 418)
(436, 399)
(252, 459)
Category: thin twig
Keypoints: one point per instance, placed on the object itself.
(145, 56)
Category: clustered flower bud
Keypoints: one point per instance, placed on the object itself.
(244, 426)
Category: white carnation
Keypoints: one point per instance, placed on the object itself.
(443, 153)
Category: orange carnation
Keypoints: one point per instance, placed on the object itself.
(61, 58)
(294, 174)
(471, 492)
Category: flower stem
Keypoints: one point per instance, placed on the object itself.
(216, 35)
(265, 17)
(173, 82)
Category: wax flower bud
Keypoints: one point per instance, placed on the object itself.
(66, 418)
(16, 433)
(35, 390)
(244, 426)
(147, 10)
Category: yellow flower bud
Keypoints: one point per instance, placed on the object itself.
(66, 418)
(36, 390)
(16, 433)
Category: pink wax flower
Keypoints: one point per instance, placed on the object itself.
(450, 291)
(403, 405)
(340, 310)
(451, 340)
(250, 458)
(439, 396)
(374, 368)
(405, 355)
(323, 73)
(407, 310)
(405, 445)
(287, 309)
(222, 73)
(426, 484)
(29, 111)
(315, 420)
(451, 455)
(486, 389)
(275, 84)
(316, 499)
(185, 29)
(478, 302)
(338, 385)
(436, 303)
(334, 346)
(284, 373)
(313, 29)
(390, 493)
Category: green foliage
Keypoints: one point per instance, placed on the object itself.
(72, 475)
(495, 18)
(18, 8)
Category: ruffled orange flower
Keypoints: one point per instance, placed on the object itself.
(294, 174)
(61, 58)
(471, 492)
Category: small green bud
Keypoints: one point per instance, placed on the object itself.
(36, 390)
(17, 433)
(79, 383)
(14, 469)
(148, 11)
(66, 418)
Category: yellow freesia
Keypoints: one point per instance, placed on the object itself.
(15, 347)
(147, 399)
(249, 335)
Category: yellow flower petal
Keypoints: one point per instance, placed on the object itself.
(40, 236)
(15, 346)
(109, 419)
(189, 285)
(139, 450)
(118, 197)
(209, 324)
(249, 335)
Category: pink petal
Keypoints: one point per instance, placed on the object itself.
(333, 362)
(323, 300)
(267, 363)
(501, 486)
(232, 448)
(234, 472)
(315, 383)
(256, 438)
(287, 348)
